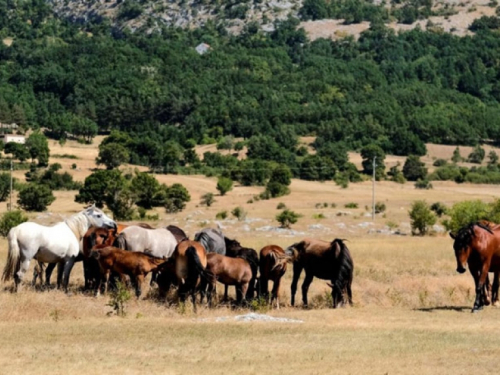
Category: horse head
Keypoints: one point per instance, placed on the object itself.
(463, 243)
(294, 251)
(98, 219)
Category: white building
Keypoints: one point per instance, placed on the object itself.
(6, 138)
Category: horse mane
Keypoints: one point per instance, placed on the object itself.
(344, 267)
(466, 233)
(78, 223)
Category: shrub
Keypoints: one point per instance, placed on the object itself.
(224, 185)
(423, 184)
(380, 207)
(422, 218)
(351, 205)
(10, 220)
(280, 206)
(4, 186)
(35, 197)
(222, 215)
(456, 157)
(439, 162)
(176, 198)
(207, 199)
(275, 189)
(239, 213)
(414, 169)
(318, 216)
(287, 217)
(118, 299)
(439, 209)
(477, 155)
(464, 213)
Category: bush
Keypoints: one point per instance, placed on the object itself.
(4, 186)
(176, 198)
(351, 205)
(239, 213)
(477, 155)
(280, 206)
(440, 162)
(10, 220)
(423, 184)
(222, 215)
(287, 217)
(207, 199)
(464, 213)
(380, 207)
(275, 189)
(35, 197)
(414, 169)
(422, 218)
(439, 209)
(224, 185)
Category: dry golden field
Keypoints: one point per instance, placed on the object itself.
(411, 312)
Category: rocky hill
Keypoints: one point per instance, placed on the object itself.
(451, 16)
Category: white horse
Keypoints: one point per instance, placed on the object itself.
(59, 243)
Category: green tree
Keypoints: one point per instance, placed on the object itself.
(421, 218)
(145, 187)
(317, 168)
(100, 187)
(466, 212)
(38, 148)
(224, 185)
(367, 154)
(456, 157)
(477, 155)
(414, 169)
(112, 155)
(287, 217)
(176, 198)
(207, 199)
(4, 186)
(492, 158)
(10, 220)
(35, 197)
(17, 150)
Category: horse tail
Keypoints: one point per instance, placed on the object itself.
(13, 257)
(343, 272)
(279, 260)
(121, 242)
(195, 262)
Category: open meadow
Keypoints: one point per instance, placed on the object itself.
(411, 312)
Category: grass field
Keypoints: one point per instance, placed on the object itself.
(411, 312)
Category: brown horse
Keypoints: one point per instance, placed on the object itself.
(235, 250)
(478, 246)
(272, 264)
(178, 233)
(189, 261)
(325, 260)
(228, 271)
(133, 264)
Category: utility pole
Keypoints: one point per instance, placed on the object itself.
(10, 205)
(373, 188)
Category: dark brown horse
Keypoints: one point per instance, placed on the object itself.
(477, 245)
(325, 260)
(272, 264)
(228, 271)
(133, 264)
(235, 250)
(190, 262)
(178, 233)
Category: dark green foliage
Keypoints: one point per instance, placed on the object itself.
(440, 162)
(477, 155)
(10, 220)
(423, 184)
(207, 199)
(112, 155)
(53, 179)
(38, 148)
(146, 188)
(35, 197)
(176, 198)
(439, 209)
(368, 153)
(456, 157)
(414, 169)
(17, 150)
(317, 168)
(4, 186)
(485, 23)
(129, 9)
(100, 187)
(492, 158)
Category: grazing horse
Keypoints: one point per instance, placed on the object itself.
(228, 271)
(325, 260)
(478, 246)
(55, 244)
(212, 239)
(235, 250)
(189, 262)
(272, 264)
(133, 264)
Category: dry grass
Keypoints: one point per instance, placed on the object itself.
(410, 315)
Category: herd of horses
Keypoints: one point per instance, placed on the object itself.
(113, 253)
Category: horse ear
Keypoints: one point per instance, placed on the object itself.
(452, 235)
(330, 285)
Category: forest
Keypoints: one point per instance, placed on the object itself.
(396, 91)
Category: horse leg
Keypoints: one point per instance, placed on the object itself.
(103, 285)
(244, 289)
(305, 287)
(68, 266)
(60, 267)
(154, 278)
(478, 303)
(297, 270)
(494, 289)
(48, 273)
(226, 290)
(275, 292)
(193, 298)
(37, 271)
(24, 266)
